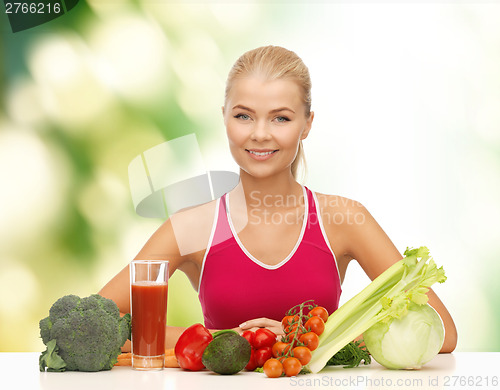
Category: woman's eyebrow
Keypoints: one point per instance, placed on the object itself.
(243, 108)
(282, 109)
(240, 106)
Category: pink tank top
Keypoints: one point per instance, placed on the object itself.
(235, 287)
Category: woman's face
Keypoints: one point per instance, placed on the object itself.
(265, 121)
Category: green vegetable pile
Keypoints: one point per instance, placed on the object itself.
(391, 296)
(83, 334)
(351, 356)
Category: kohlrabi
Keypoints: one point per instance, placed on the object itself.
(408, 342)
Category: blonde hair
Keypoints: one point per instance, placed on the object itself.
(275, 62)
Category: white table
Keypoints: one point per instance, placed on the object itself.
(460, 370)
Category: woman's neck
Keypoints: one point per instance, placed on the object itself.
(283, 189)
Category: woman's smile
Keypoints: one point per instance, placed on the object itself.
(261, 154)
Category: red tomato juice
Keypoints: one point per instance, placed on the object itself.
(149, 318)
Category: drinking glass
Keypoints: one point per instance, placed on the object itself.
(148, 307)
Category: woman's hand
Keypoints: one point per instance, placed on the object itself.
(253, 325)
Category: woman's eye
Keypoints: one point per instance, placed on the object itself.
(282, 119)
(245, 117)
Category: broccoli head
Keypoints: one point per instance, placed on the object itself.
(88, 334)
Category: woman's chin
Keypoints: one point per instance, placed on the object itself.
(263, 173)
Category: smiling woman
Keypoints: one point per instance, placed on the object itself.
(272, 63)
(251, 247)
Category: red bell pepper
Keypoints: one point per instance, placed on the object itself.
(191, 345)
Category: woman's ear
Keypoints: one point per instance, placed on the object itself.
(308, 126)
(223, 114)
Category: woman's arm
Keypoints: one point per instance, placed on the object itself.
(182, 240)
(161, 246)
(367, 243)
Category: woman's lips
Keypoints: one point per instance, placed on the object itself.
(261, 154)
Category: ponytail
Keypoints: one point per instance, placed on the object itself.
(299, 167)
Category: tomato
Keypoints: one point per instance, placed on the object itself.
(279, 348)
(303, 354)
(288, 320)
(292, 366)
(263, 354)
(251, 365)
(319, 311)
(292, 329)
(263, 338)
(310, 340)
(316, 324)
(293, 343)
(273, 368)
(249, 335)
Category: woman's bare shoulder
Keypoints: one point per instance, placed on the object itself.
(182, 234)
(197, 214)
(339, 209)
(192, 227)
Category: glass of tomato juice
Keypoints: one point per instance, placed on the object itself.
(148, 307)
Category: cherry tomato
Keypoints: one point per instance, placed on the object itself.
(263, 354)
(319, 311)
(292, 329)
(288, 320)
(303, 354)
(251, 365)
(249, 335)
(273, 368)
(292, 366)
(293, 343)
(263, 338)
(310, 340)
(316, 325)
(279, 348)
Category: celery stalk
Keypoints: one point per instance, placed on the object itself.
(387, 296)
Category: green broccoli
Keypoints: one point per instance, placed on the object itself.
(88, 334)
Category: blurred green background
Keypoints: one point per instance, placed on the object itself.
(407, 102)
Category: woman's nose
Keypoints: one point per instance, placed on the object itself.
(260, 132)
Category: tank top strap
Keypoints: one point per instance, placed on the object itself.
(312, 216)
(315, 232)
(222, 229)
